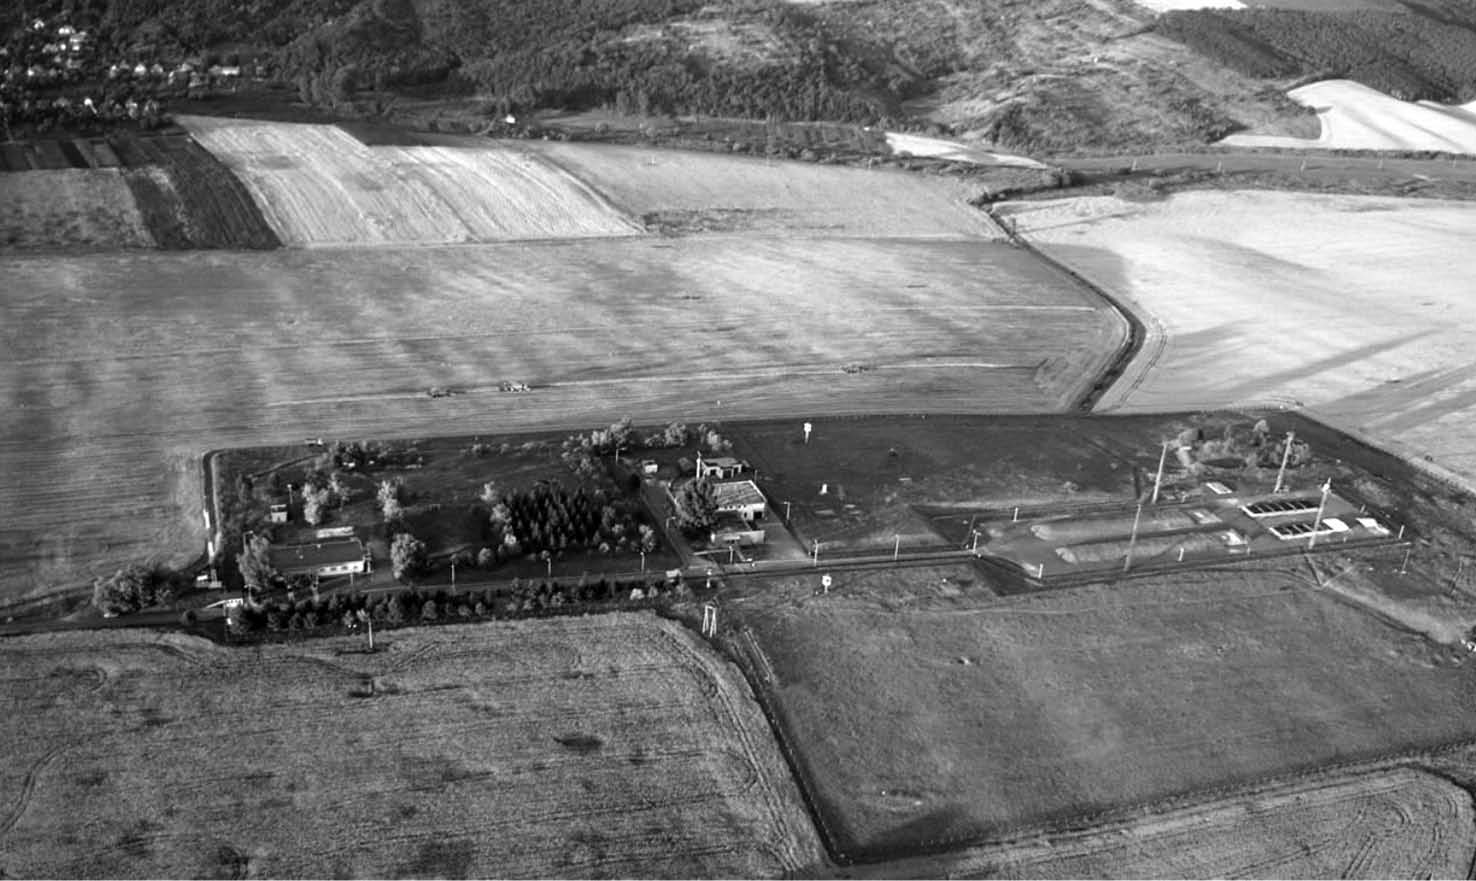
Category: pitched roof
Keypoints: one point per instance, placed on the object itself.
(736, 494)
(288, 559)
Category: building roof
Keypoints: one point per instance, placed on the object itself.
(310, 557)
(724, 462)
(733, 494)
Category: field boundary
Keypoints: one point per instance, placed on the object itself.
(1127, 351)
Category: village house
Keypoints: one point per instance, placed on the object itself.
(720, 467)
(741, 498)
(345, 556)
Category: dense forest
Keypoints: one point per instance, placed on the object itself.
(1428, 53)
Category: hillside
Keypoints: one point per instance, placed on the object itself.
(1041, 77)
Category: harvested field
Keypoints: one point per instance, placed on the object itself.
(318, 185)
(947, 722)
(1356, 307)
(91, 208)
(676, 191)
(1356, 117)
(615, 746)
(1394, 824)
(118, 380)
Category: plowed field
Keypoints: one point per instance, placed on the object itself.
(318, 185)
(605, 747)
(119, 371)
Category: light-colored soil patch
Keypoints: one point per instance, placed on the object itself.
(1358, 308)
(916, 145)
(318, 185)
(938, 725)
(742, 193)
(1395, 824)
(88, 207)
(1356, 117)
(120, 371)
(615, 746)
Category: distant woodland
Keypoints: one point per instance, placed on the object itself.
(1428, 53)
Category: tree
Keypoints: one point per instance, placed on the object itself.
(429, 611)
(408, 556)
(342, 495)
(127, 590)
(619, 434)
(314, 503)
(389, 500)
(676, 435)
(486, 557)
(696, 507)
(255, 563)
(490, 495)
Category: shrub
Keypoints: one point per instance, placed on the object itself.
(407, 556)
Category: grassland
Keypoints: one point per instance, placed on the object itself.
(121, 370)
(1356, 307)
(612, 746)
(1391, 824)
(968, 716)
(89, 208)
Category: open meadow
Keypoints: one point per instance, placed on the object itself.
(925, 722)
(73, 207)
(1356, 307)
(615, 746)
(120, 370)
(1399, 823)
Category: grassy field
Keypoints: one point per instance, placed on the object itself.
(1395, 824)
(937, 721)
(607, 747)
(1356, 307)
(687, 191)
(318, 185)
(121, 370)
(90, 208)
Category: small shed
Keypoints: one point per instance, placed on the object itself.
(277, 514)
(720, 467)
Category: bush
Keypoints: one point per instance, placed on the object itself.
(407, 556)
(126, 590)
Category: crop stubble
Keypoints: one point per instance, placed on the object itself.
(571, 747)
(121, 370)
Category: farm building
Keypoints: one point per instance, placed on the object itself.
(277, 513)
(742, 498)
(720, 468)
(324, 558)
(734, 530)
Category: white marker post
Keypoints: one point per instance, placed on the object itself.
(976, 543)
(825, 584)
(808, 428)
(709, 620)
(1317, 523)
(896, 548)
(817, 554)
(453, 575)
(786, 510)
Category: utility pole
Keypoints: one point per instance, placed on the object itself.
(1158, 479)
(1133, 540)
(1285, 455)
(1317, 523)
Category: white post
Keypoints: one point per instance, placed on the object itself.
(1317, 523)
(786, 510)
(808, 428)
(1158, 480)
(896, 548)
(453, 574)
(1133, 540)
(817, 553)
(976, 543)
(371, 633)
(1016, 518)
(1181, 553)
(1401, 531)
(643, 561)
(1405, 565)
(1285, 455)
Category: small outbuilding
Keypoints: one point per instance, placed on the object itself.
(277, 514)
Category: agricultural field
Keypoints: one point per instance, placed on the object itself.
(318, 185)
(1400, 823)
(1356, 117)
(118, 381)
(678, 191)
(87, 208)
(940, 721)
(591, 747)
(1354, 307)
